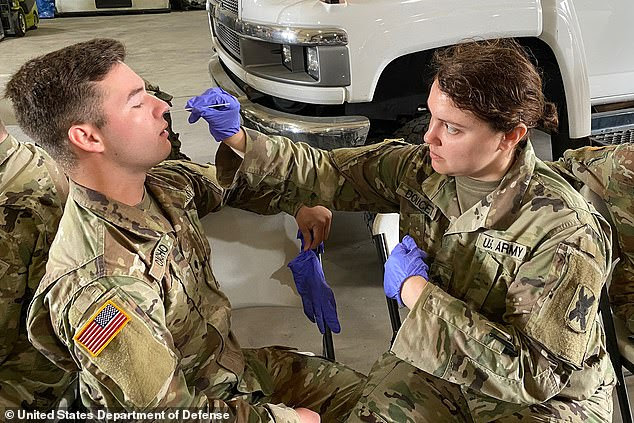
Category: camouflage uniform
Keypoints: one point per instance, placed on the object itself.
(609, 172)
(150, 267)
(32, 192)
(508, 328)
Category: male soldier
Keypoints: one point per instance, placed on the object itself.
(33, 191)
(609, 172)
(129, 300)
(506, 331)
(32, 195)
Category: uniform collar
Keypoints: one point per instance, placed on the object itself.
(7, 148)
(173, 195)
(129, 218)
(498, 209)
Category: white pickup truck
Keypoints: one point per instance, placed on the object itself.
(338, 73)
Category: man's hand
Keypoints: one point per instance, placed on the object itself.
(405, 261)
(307, 416)
(317, 297)
(224, 121)
(314, 224)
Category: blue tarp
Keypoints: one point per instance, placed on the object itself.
(46, 8)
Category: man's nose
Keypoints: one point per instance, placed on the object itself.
(162, 107)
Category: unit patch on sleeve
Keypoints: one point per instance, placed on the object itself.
(501, 246)
(102, 327)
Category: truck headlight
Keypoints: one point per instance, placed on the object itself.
(312, 62)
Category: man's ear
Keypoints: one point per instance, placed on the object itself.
(513, 137)
(86, 137)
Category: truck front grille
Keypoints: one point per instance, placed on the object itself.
(616, 136)
(231, 5)
(229, 40)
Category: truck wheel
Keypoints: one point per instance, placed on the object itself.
(413, 130)
(20, 24)
(36, 21)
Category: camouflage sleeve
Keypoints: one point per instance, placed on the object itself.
(200, 178)
(354, 179)
(622, 285)
(609, 172)
(589, 166)
(563, 167)
(618, 195)
(21, 245)
(115, 371)
(551, 307)
(209, 194)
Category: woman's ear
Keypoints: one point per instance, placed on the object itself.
(513, 137)
(86, 137)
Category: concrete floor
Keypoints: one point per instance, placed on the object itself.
(172, 50)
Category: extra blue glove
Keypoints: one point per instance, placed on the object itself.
(223, 121)
(317, 297)
(405, 260)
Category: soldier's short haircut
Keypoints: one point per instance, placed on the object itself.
(55, 91)
(496, 81)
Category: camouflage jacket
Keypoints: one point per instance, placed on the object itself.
(609, 172)
(511, 314)
(130, 302)
(32, 192)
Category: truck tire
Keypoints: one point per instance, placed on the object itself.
(413, 130)
(20, 24)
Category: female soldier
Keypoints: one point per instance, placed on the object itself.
(502, 326)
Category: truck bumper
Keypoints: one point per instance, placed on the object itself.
(321, 132)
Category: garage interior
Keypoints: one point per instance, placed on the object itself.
(249, 252)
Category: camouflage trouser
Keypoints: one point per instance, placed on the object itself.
(399, 392)
(299, 380)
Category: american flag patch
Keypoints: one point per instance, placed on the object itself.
(102, 328)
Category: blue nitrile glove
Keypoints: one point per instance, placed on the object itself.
(317, 297)
(223, 121)
(405, 260)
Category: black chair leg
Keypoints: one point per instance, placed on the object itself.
(328, 345)
(624, 401)
(392, 305)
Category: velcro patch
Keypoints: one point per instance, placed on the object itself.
(419, 201)
(579, 308)
(159, 257)
(101, 328)
(501, 246)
